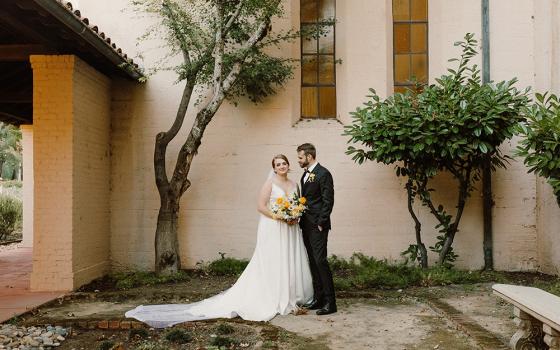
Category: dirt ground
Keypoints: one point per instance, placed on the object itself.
(368, 320)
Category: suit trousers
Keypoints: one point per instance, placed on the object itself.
(316, 245)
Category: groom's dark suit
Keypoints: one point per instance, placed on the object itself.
(319, 192)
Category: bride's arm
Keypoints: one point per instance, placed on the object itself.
(264, 199)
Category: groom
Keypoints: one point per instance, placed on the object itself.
(317, 187)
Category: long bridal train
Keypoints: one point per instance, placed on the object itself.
(276, 280)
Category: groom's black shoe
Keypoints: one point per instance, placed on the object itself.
(329, 308)
(314, 304)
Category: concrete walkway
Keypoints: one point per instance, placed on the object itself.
(15, 272)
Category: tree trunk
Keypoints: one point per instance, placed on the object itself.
(417, 228)
(166, 242)
(453, 228)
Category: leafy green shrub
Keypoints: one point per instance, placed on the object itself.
(540, 145)
(363, 272)
(106, 345)
(138, 333)
(455, 125)
(11, 211)
(224, 328)
(178, 335)
(227, 266)
(226, 342)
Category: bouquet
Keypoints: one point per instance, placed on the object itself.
(289, 208)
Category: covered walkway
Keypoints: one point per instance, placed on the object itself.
(15, 272)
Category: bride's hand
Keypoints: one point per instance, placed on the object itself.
(292, 222)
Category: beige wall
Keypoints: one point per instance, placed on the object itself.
(27, 190)
(547, 62)
(71, 173)
(218, 212)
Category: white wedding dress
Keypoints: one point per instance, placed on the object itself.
(276, 281)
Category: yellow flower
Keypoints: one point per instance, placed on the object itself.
(303, 200)
(279, 200)
(286, 205)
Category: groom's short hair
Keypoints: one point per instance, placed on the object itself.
(308, 148)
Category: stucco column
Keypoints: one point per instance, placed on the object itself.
(71, 130)
(27, 146)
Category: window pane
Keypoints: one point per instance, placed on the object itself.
(419, 10)
(309, 44)
(308, 10)
(401, 10)
(326, 9)
(327, 102)
(326, 70)
(420, 68)
(401, 38)
(309, 102)
(326, 42)
(309, 70)
(418, 37)
(402, 69)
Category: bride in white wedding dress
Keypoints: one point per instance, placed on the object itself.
(276, 280)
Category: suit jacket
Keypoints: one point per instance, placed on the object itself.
(319, 192)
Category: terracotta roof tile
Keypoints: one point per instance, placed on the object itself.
(94, 29)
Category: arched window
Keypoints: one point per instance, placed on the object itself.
(410, 43)
(318, 79)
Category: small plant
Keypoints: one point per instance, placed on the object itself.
(10, 215)
(220, 342)
(106, 345)
(179, 336)
(14, 320)
(151, 346)
(138, 333)
(224, 328)
(227, 266)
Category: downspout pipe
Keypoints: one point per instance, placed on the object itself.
(487, 243)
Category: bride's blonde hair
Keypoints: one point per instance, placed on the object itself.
(280, 156)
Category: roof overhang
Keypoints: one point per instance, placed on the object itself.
(47, 27)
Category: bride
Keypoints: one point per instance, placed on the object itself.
(276, 280)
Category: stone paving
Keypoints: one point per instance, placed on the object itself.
(15, 271)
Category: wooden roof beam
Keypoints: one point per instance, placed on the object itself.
(20, 53)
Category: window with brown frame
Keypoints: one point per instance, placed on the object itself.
(410, 43)
(318, 78)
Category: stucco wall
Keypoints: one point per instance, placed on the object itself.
(548, 79)
(218, 212)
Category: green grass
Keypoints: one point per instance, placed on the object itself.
(359, 272)
(363, 272)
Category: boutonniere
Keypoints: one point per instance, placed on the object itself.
(311, 177)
